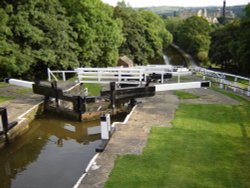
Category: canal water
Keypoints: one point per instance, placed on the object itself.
(173, 57)
(53, 153)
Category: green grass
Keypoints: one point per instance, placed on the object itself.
(208, 146)
(22, 91)
(94, 89)
(239, 98)
(6, 98)
(185, 95)
(182, 79)
(3, 84)
(242, 81)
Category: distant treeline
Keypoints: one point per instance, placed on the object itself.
(225, 46)
(64, 34)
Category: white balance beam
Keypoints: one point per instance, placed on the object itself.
(22, 83)
(178, 86)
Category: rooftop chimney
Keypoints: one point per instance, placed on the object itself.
(224, 9)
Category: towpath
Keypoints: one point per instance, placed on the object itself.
(131, 138)
(23, 99)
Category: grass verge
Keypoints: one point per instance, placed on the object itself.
(208, 146)
(239, 98)
(3, 84)
(185, 95)
(22, 91)
(6, 98)
(93, 89)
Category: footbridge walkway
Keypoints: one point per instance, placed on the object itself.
(133, 75)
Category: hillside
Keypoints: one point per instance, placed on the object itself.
(171, 11)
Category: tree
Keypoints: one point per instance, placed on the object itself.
(224, 45)
(157, 36)
(41, 37)
(173, 24)
(243, 51)
(230, 45)
(193, 36)
(145, 34)
(10, 54)
(98, 34)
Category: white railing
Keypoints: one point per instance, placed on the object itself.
(107, 75)
(226, 80)
(51, 74)
(133, 75)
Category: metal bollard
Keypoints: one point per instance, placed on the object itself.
(105, 126)
(5, 126)
(1, 124)
(3, 119)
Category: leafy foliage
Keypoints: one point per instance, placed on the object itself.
(193, 36)
(222, 45)
(173, 24)
(230, 45)
(41, 37)
(144, 32)
(99, 35)
(64, 34)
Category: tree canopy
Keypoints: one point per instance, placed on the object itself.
(40, 37)
(64, 34)
(230, 45)
(145, 34)
(193, 36)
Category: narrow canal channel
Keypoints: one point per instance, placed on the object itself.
(53, 153)
(174, 57)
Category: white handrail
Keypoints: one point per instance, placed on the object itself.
(222, 79)
(136, 74)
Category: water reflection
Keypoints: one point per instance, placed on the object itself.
(53, 153)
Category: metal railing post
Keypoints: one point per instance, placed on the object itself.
(78, 76)
(141, 76)
(162, 77)
(63, 75)
(222, 82)
(49, 76)
(235, 84)
(119, 76)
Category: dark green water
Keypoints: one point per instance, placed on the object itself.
(171, 56)
(53, 153)
(174, 57)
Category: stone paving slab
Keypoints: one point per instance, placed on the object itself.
(209, 96)
(23, 100)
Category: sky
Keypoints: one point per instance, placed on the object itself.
(183, 3)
